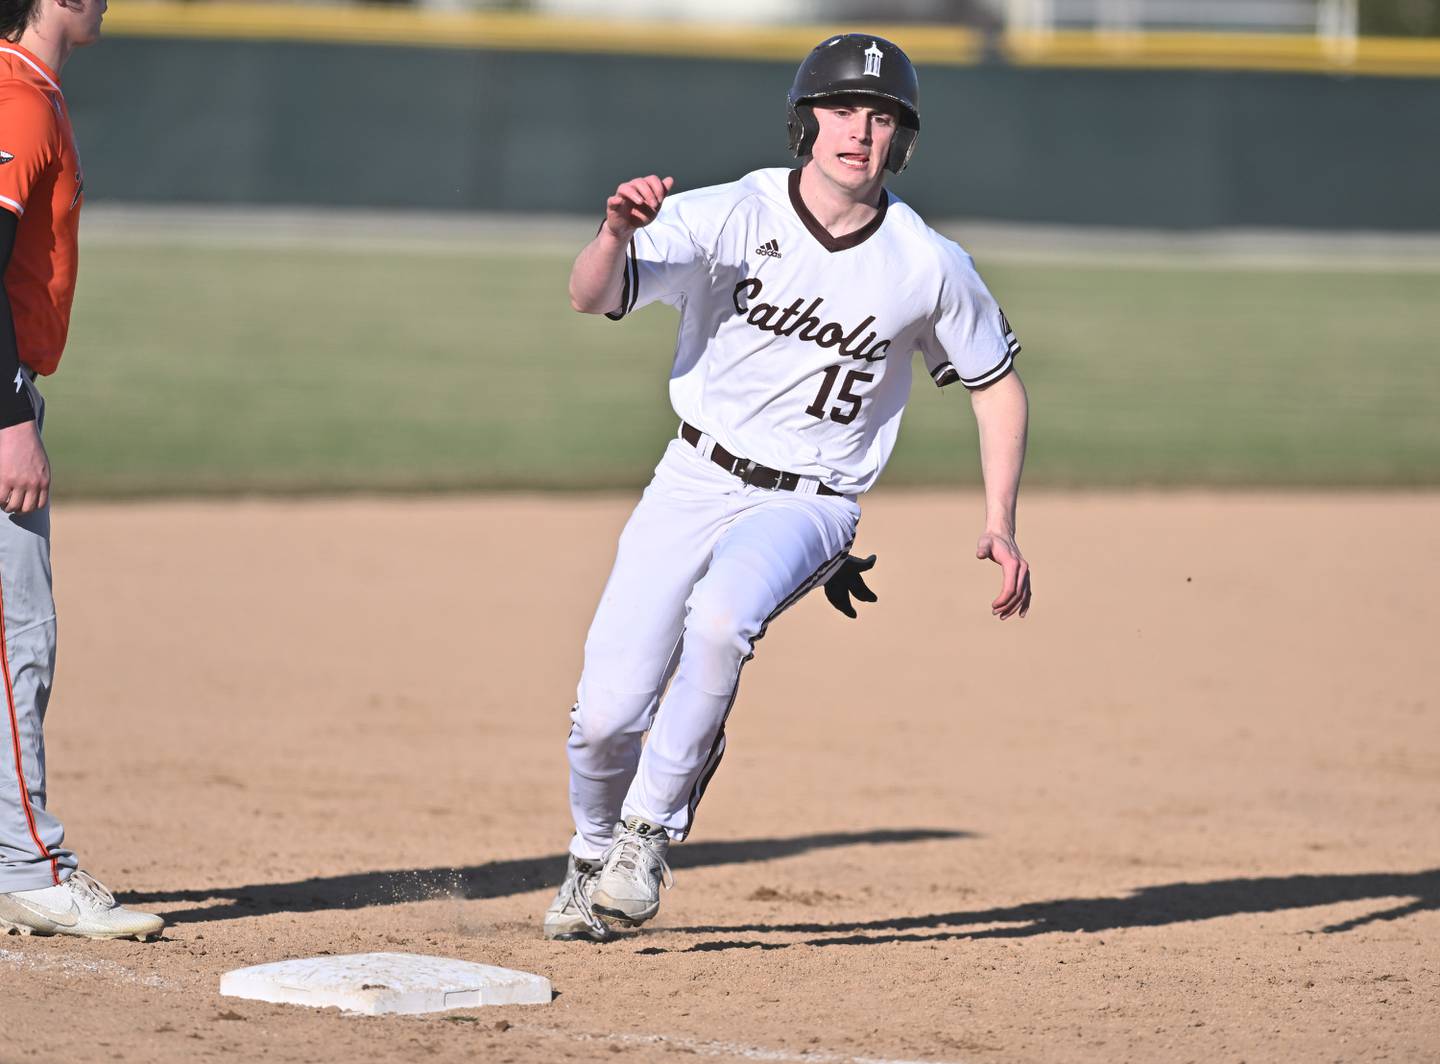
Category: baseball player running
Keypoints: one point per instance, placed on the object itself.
(42, 889)
(802, 296)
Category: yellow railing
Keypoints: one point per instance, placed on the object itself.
(930, 45)
(509, 31)
(1226, 51)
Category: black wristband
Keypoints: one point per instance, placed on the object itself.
(15, 405)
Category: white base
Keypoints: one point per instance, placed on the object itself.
(377, 983)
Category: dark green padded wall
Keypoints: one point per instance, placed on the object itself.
(243, 122)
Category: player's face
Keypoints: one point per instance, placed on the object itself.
(854, 140)
(82, 21)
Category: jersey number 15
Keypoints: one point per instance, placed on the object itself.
(846, 413)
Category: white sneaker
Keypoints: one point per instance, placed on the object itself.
(570, 916)
(628, 887)
(79, 906)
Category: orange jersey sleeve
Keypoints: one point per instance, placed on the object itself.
(29, 142)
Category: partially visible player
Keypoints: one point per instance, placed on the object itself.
(803, 295)
(42, 889)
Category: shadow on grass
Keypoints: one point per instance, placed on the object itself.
(1170, 903)
(495, 879)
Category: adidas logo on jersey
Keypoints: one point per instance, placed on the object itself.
(770, 247)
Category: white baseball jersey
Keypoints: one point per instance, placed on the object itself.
(794, 347)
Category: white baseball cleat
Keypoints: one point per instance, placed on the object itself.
(80, 906)
(570, 917)
(628, 887)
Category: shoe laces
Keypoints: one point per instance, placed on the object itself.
(91, 889)
(573, 892)
(638, 855)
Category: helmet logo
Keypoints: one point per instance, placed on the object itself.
(873, 55)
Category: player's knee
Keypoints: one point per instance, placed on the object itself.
(602, 733)
(607, 720)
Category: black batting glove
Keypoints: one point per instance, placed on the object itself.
(849, 582)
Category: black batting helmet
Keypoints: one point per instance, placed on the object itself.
(856, 63)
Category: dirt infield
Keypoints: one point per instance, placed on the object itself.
(1188, 810)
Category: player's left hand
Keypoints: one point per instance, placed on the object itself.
(1014, 597)
(849, 581)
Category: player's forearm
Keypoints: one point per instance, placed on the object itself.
(596, 279)
(1002, 412)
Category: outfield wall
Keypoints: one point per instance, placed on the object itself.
(319, 123)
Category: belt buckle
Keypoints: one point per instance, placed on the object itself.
(747, 473)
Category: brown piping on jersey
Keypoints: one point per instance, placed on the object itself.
(820, 233)
(804, 325)
(630, 283)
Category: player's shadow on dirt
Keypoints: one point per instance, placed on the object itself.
(1170, 903)
(493, 880)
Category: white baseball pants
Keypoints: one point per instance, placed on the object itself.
(704, 564)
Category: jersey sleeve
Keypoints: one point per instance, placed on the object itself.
(968, 338)
(27, 142)
(666, 258)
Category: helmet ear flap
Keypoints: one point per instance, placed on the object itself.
(800, 123)
(902, 146)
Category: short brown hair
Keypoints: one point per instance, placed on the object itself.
(16, 16)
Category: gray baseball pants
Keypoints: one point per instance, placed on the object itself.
(32, 853)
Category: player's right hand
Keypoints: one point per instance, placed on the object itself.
(24, 469)
(636, 203)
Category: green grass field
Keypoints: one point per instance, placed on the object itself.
(207, 369)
